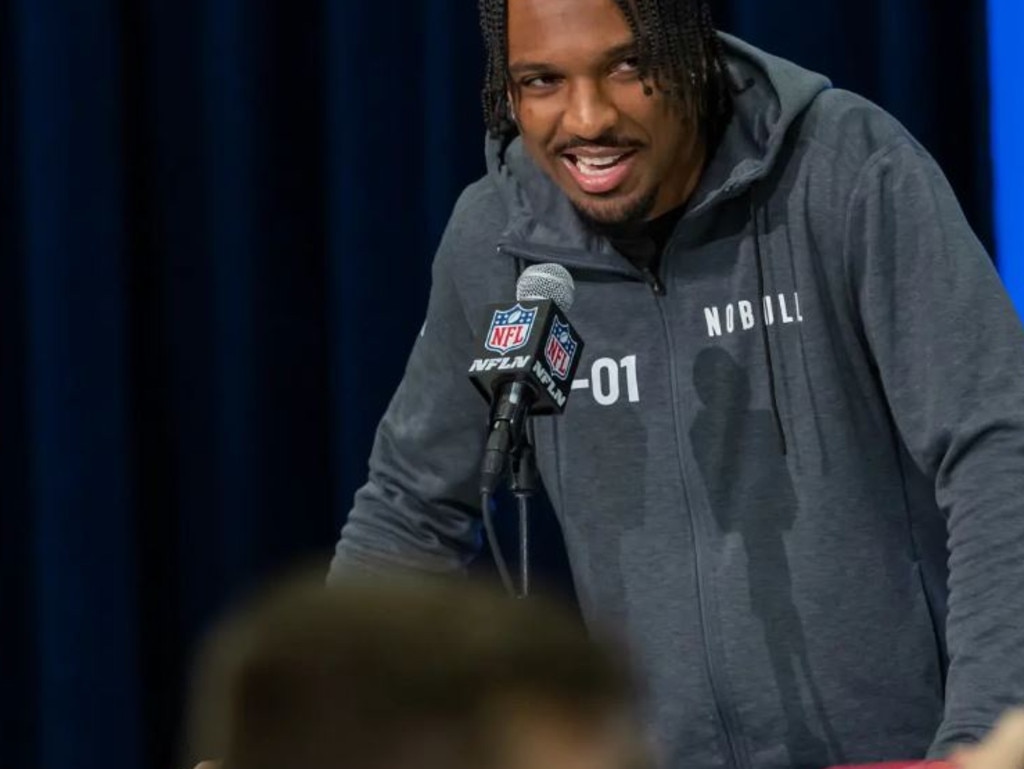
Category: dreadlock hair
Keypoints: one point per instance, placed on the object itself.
(677, 48)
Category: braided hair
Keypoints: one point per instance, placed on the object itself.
(677, 47)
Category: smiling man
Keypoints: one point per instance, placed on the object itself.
(792, 471)
(619, 154)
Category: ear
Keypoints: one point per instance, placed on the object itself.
(510, 99)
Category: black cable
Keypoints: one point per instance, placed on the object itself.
(492, 540)
(524, 544)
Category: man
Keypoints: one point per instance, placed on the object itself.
(792, 473)
(391, 676)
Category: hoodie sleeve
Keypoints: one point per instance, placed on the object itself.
(419, 508)
(950, 353)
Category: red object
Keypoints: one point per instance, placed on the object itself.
(900, 765)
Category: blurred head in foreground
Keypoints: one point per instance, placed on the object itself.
(396, 676)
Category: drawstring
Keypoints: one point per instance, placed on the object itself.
(764, 327)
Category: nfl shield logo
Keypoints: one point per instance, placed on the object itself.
(560, 349)
(510, 329)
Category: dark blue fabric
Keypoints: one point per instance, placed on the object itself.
(216, 224)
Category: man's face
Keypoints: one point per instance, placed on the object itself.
(619, 154)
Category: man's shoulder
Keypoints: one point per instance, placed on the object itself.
(474, 229)
(480, 211)
(850, 129)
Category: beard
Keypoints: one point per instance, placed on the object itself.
(618, 214)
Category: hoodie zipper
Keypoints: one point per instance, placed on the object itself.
(725, 722)
(652, 280)
(657, 286)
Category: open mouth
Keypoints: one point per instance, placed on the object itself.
(599, 175)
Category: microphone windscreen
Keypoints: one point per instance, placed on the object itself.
(547, 281)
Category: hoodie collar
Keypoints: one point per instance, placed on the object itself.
(769, 94)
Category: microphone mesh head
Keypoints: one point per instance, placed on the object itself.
(547, 281)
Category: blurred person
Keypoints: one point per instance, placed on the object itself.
(1002, 749)
(393, 676)
(792, 472)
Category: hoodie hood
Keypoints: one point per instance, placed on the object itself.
(769, 95)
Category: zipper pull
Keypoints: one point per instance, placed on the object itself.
(654, 282)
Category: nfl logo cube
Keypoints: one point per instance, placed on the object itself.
(510, 329)
(560, 349)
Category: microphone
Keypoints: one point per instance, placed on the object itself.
(526, 362)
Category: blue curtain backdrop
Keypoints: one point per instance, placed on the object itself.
(216, 223)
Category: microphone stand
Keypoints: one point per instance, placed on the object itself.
(523, 485)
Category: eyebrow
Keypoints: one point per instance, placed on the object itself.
(618, 52)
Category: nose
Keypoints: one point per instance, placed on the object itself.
(589, 112)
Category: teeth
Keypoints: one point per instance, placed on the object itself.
(598, 162)
(596, 166)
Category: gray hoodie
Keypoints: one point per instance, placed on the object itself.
(795, 481)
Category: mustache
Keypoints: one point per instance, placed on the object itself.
(608, 141)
